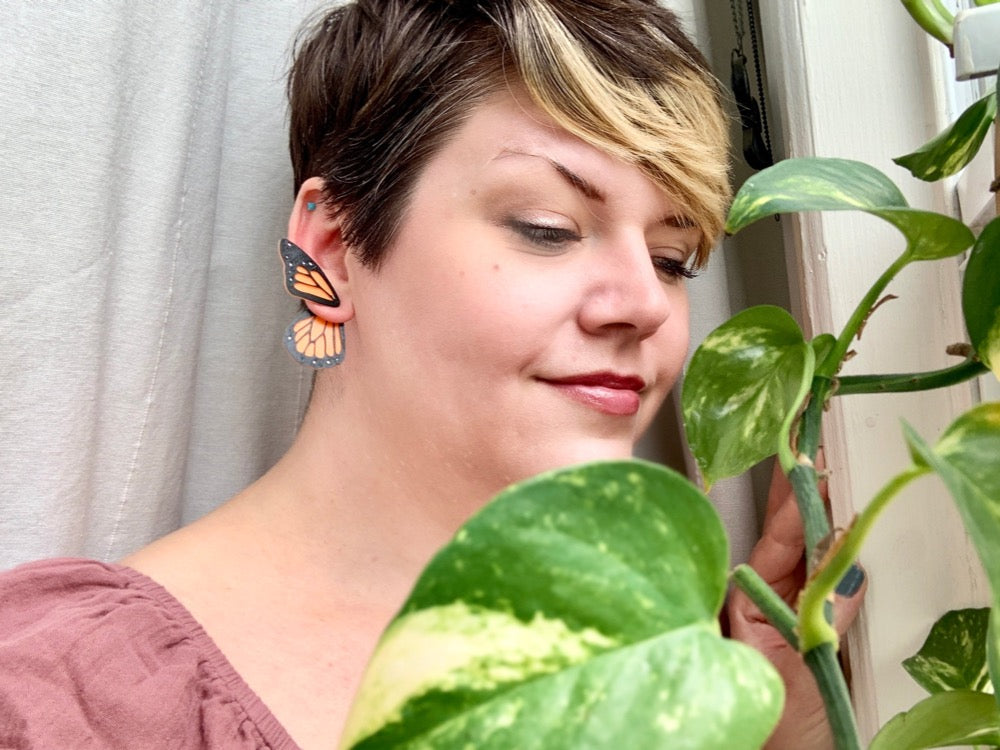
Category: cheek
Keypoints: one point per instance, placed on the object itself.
(677, 333)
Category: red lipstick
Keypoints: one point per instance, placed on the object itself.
(607, 392)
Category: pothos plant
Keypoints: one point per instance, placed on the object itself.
(580, 609)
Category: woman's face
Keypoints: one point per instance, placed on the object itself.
(531, 313)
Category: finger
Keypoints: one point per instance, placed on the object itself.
(779, 552)
(778, 492)
(849, 597)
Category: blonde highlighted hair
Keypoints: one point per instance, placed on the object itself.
(377, 87)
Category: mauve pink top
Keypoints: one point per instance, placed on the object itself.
(94, 655)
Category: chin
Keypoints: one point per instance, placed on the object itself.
(573, 453)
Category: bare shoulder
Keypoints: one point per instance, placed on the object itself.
(294, 637)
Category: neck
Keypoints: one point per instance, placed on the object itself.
(358, 504)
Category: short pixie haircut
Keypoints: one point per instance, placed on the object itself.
(378, 86)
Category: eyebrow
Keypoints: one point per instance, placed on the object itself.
(591, 191)
(588, 189)
(677, 221)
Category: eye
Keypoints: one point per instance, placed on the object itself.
(673, 269)
(543, 235)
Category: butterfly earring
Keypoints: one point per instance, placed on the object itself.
(310, 339)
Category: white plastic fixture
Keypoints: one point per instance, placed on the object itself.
(976, 42)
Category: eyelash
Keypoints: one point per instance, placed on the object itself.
(546, 236)
(674, 269)
(555, 237)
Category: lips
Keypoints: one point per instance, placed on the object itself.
(607, 392)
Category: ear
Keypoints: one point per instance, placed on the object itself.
(311, 227)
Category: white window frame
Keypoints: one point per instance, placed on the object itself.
(858, 79)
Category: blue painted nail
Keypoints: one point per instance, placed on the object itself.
(852, 581)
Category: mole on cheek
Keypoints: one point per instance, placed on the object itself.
(496, 266)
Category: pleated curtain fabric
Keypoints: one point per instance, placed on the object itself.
(144, 186)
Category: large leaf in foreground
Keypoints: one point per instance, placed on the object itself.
(825, 184)
(577, 610)
(966, 458)
(952, 149)
(981, 296)
(954, 655)
(958, 717)
(742, 382)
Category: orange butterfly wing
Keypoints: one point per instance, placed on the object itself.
(309, 339)
(305, 279)
(314, 341)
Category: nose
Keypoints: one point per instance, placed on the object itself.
(626, 292)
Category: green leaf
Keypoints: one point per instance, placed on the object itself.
(966, 458)
(929, 236)
(824, 184)
(932, 17)
(578, 609)
(742, 382)
(954, 655)
(811, 184)
(959, 717)
(952, 149)
(981, 296)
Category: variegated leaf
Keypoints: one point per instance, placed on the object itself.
(826, 184)
(953, 656)
(949, 151)
(740, 385)
(578, 609)
(956, 717)
(981, 296)
(966, 459)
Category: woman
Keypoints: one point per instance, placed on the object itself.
(506, 198)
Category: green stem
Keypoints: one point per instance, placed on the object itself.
(812, 418)
(805, 482)
(814, 629)
(803, 476)
(831, 364)
(913, 381)
(772, 606)
(786, 457)
(817, 638)
(822, 661)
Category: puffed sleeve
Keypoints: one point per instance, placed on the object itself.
(94, 655)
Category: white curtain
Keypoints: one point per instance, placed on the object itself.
(144, 186)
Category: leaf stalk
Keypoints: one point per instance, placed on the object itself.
(814, 629)
(772, 606)
(911, 381)
(822, 661)
(829, 366)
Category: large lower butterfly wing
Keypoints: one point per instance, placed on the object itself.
(303, 278)
(314, 341)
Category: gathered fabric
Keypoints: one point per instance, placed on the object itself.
(98, 655)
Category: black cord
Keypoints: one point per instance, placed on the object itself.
(751, 20)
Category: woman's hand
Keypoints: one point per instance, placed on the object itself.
(779, 559)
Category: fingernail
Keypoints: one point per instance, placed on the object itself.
(852, 581)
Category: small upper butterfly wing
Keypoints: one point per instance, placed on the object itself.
(303, 278)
